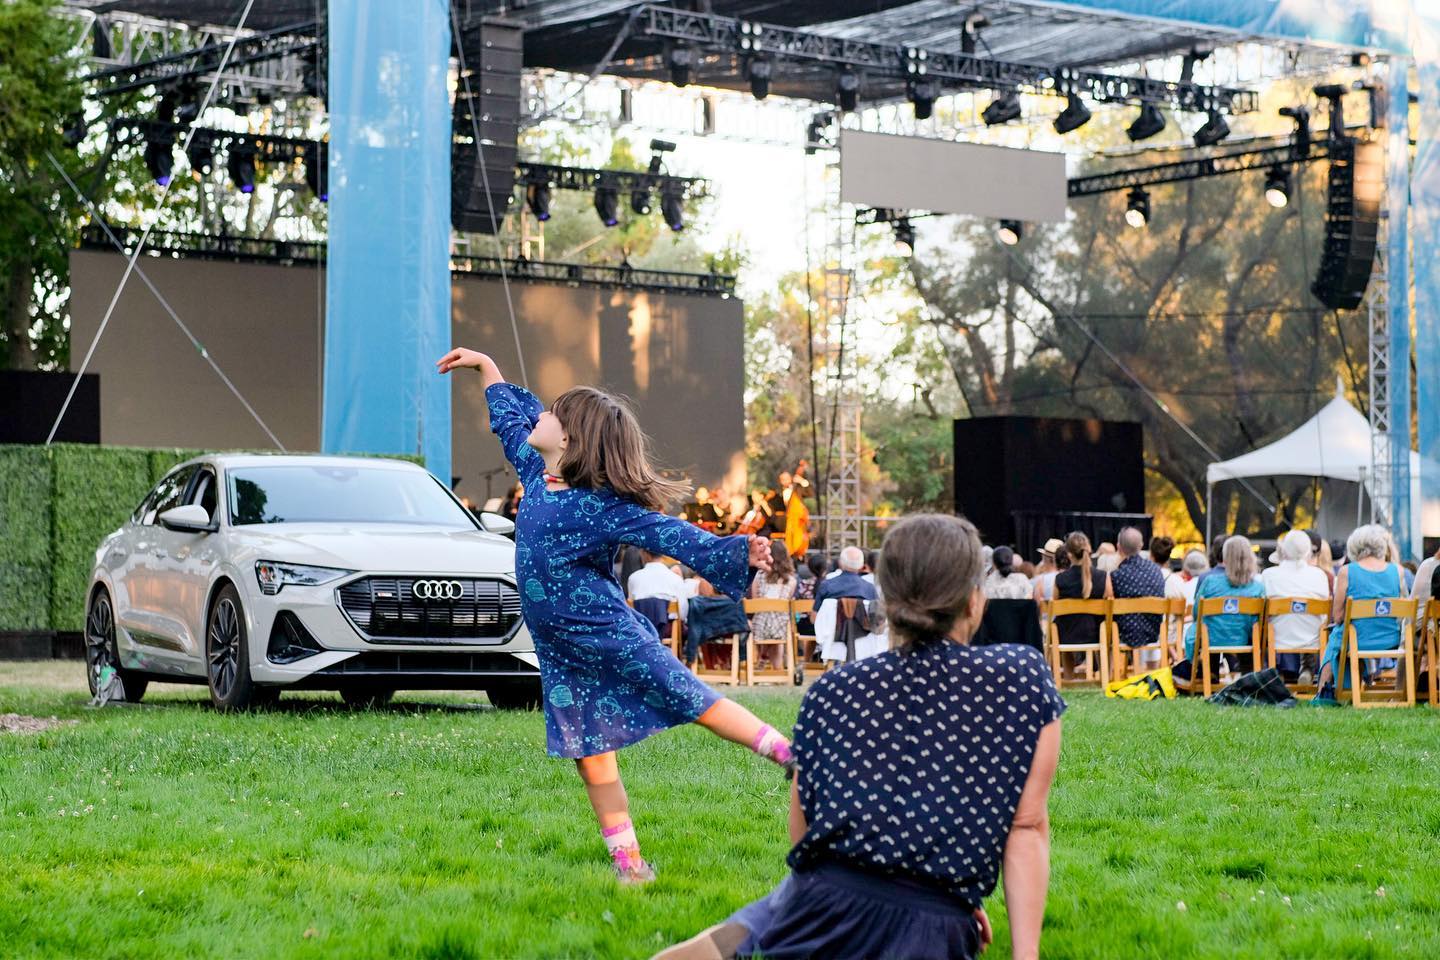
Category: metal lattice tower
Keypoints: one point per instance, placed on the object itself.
(1382, 458)
(842, 487)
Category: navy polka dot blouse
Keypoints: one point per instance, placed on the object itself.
(914, 764)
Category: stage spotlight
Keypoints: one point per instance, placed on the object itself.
(672, 207)
(1002, 109)
(159, 156)
(1150, 122)
(1137, 207)
(922, 94)
(759, 72)
(74, 132)
(201, 154)
(317, 172)
(1010, 232)
(640, 201)
(1074, 116)
(607, 205)
(905, 234)
(1277, 187)
(847, 90)
(241, 166)
(680, 60)
(1214, 130)
(537, 198)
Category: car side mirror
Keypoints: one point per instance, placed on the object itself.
(494, 523)
(191, 518)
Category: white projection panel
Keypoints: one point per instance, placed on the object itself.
(942, 176)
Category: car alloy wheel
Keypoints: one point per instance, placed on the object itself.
(224, 654)
(101, 651)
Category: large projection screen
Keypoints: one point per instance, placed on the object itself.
(942, 176)
(677, 356)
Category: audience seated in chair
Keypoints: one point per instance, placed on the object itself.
(848, 584)
(1135, 577)
(777, 584)
(1295, 576)
(1368, 576)
(1240, 578)
(1081, 580)
(1004, 581)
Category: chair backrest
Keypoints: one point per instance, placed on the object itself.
(1432, 611)
(1158, 605)
(1066, 608)
(1392, 608)
(1282, 606)
(1231, 606)
(799, 607)
(766, 605)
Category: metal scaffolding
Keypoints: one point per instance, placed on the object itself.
(843, 520)
(1382, 460)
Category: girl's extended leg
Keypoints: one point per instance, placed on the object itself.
(601, 775)
(733, 722)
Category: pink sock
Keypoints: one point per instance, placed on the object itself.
(624, 848)
(770, 745)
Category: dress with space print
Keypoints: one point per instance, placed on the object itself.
(608, 680)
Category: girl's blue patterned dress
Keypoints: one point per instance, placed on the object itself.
(607, 679)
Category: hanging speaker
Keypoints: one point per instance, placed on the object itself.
(493, 52)
(1352, 219)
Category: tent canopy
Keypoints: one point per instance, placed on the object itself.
(1335, 443)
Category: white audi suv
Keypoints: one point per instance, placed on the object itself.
(258, 573)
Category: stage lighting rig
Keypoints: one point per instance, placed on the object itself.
(1137, 207)
(759, 71)
(1150, 122)
(160, 156)
(847, 90)
(1010, 232)
(1334, 93)
(640, 201)
(241, 166)
(1213, 131)
(1002, 109)
(970, 31)
(672, 207)
(537, 198)
(680, 60)
(1277, 187)
(1074, 116)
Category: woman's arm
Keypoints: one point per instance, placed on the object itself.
(1337, 606)
(798, 826)
(461, 357)
(1027, 850)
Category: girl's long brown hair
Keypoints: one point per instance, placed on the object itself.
(1077, 545)
(607, 448)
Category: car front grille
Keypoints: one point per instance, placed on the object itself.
(387, 609)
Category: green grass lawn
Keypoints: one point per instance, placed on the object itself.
(438, 828)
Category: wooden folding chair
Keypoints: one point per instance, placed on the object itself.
(1431, 626)
(1224, 606)
(1121, 652)
(1276, 607)
(674, 641)
(1390, 608)
(805, 645)
(786, 671)
(1055, 650)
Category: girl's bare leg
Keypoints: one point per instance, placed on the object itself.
(601, 775)
(728, 719)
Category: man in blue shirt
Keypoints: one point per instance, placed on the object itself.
(1136, 576)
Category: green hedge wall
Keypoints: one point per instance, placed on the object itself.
(56, 504)
(25, 520)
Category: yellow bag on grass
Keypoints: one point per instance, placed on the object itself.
(1155, 685)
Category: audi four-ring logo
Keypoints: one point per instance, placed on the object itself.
(438, 590)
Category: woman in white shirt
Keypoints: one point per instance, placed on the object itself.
(1295, 577)
(1004, 582)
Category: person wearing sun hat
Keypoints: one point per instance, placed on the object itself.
(1043, 583)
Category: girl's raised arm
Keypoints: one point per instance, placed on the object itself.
(461, 357)
(727, 562)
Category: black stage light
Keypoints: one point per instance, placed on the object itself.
(847, 90)
(537, 198)
(1010, 232)
(317, 171)
(1137, 207)
(672, 207)
(640, 201)
(922, 94)
(74, 132)
(607, 205)
(1074, 116)
(1150, 122)
(159, 157)
(241, 165)
(200, 153)
(1214, 130)
(905, 233)
(759, 72)
(1002, 109)
(1277, 187)
(680, 60)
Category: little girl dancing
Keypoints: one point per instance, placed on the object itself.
(607, 679)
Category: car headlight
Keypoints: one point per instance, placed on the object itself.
(272, 576)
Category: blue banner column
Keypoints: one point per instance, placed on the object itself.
(1397, 298)
(387, 283)
(1425, 236)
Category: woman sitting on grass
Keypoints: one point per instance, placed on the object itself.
(920, 771)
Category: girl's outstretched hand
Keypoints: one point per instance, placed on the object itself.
(760, 552)
(460, 357)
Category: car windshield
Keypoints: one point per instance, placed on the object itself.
(340, 494)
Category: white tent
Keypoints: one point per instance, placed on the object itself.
(1333, 444)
